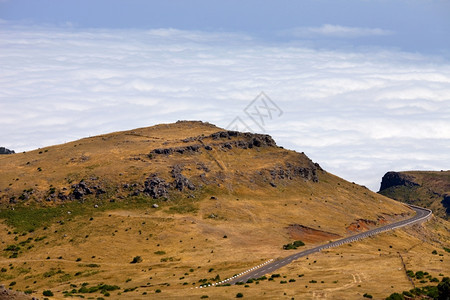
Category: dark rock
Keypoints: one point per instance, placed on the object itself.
(165, 151)
(62, 197)
(180, 182)
(156, 187)
(291, 171)
(202, 166)
(80, 190)
(227, 145)
(391, 179)
(4, 150)
(181, 150)
(273, 184)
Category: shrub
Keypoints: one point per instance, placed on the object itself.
(293, 246)
(204, 297)
(48, 293)
(160, 252)
(136, 259)
(408, 294)
(395, 296)
(419, 274)
(239, 295)
(12, 283)
(157, 291)
(367, 296)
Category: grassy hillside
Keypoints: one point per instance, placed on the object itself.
(424, 188)
(164, 209)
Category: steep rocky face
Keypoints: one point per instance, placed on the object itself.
(429, 189)
(221, 140)
(4, 150)
(391, 179)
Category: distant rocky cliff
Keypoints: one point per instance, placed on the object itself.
(392, 179)
(428, 189)
(3, 150)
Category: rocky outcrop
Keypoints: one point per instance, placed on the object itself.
(181, 182)
(4, 150)
(156, 187)
(81, 190)
(428, 189)
(391, 179)
(181, 150)
(247, 139)
(242, 140)
(290, 171)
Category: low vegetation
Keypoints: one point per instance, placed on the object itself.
(293, 245)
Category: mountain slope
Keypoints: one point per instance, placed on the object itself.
(187, 202)
(423, 188)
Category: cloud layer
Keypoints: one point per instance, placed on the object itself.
(337, 31)
(358, 113)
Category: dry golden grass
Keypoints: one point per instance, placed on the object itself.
(182, 239)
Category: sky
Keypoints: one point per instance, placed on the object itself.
(362, 87)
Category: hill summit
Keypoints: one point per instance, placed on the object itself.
(163, 210)
(158, 162)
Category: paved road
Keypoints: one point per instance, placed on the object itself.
(258, 271)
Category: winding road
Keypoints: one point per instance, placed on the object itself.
(270, 266)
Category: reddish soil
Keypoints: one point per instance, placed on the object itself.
(309, 235)
(364, 224)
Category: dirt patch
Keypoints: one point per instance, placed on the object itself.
(309, 235)
(364, 224)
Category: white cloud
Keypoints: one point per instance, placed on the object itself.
(338, 31)
(359, 114)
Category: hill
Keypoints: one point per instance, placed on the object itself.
(423, 188)
(164, 209)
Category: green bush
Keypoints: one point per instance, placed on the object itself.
(48, 293)
(239, 295)
(367, 296)
(395, 296)
(136, 259)
(293, 246)
(419, 274)
(157, 291)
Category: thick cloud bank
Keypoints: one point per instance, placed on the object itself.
(359, 113)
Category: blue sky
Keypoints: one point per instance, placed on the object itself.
(364, 86)
(413, 25)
